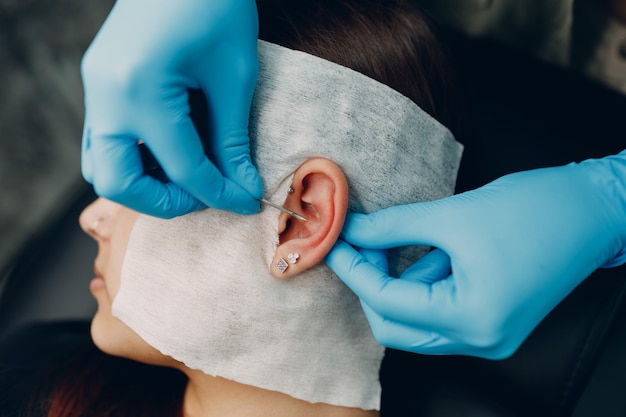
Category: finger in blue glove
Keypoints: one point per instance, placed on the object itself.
(136, 78)
(516, 248)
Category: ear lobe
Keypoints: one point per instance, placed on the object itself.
(320, 194)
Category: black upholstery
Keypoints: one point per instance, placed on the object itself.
(525, 114)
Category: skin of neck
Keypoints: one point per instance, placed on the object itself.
(208, 396)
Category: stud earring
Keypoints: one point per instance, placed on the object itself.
(293, 257)
(290, 190)
(281, 265)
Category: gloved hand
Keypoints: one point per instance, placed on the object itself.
(507, 253)
(136, 74)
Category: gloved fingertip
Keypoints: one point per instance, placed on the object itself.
(350, 223)
(377, 258)
(251, 180)
(355, 217)
(339, 256)
(362, 230)
(86, 169)
(254, 184)
(239, 201)
(253, 207)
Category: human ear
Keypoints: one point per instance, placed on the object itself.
(319, 192)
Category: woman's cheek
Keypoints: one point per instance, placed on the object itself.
(117, 250)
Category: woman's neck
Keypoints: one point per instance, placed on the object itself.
(208, 396)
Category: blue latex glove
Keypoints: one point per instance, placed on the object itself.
(136, 74)
(507, 253)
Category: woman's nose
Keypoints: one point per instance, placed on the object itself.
(98, 218)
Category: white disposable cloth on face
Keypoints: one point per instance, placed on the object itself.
(198, 287)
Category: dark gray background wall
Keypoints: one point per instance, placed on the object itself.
(41, 110)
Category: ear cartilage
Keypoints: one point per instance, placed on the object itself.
(284, 210)
(293, 257)
(282, 265)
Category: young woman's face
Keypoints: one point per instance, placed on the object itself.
(110, 224)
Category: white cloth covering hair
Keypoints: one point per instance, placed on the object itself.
(198, 287)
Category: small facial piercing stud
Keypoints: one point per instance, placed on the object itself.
(293, 257)
(281, 265)
(290, 190)
(94, 226)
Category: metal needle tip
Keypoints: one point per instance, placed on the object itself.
(284, 210)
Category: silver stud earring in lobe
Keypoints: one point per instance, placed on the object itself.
(293, 257)
(282, 265)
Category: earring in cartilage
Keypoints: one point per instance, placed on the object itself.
(290, 190)
(282, 265)
(293, 257)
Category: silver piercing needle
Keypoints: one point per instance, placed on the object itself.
(284, 210)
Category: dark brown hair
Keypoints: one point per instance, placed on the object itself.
(390, 41)
(99, 385)
(53, 369)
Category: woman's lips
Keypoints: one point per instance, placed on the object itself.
(97, 282)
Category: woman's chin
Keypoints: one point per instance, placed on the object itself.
(97, 331)
(102, 321)
(102, 332)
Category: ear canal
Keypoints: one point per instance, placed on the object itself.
(319, 192)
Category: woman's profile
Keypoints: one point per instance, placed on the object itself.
(194, 317)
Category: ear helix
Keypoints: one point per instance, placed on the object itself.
(281, 264)
(319, 191)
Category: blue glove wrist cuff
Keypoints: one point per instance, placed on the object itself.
(615, 187)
